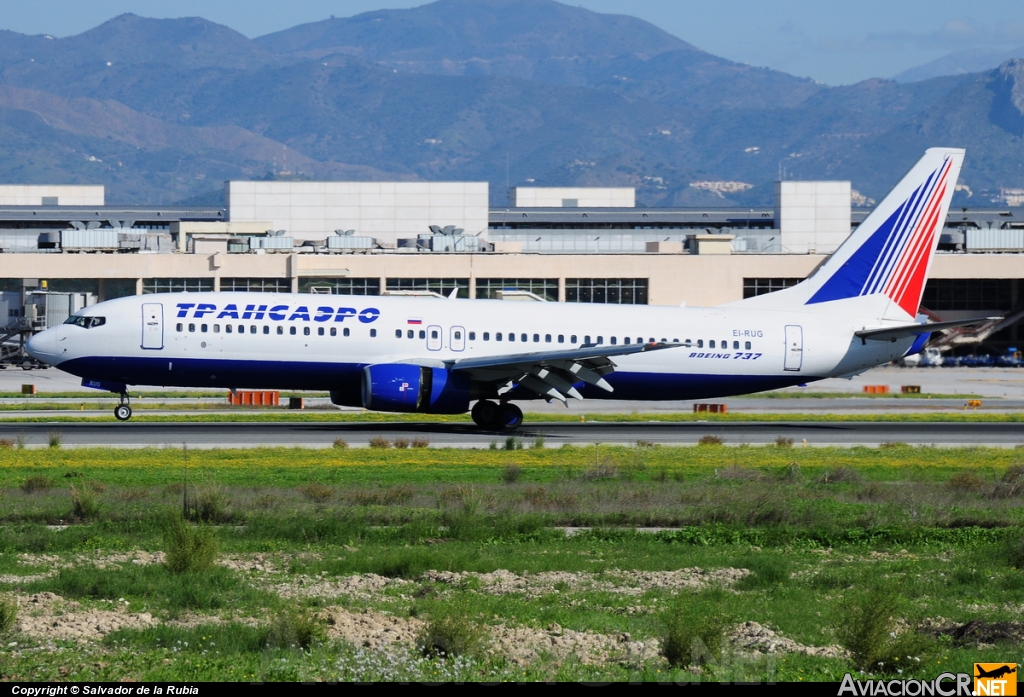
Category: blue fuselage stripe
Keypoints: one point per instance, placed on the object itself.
(301, 375)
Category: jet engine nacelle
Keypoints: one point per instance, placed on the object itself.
(412, 388)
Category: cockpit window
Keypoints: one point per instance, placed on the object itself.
(86, 322)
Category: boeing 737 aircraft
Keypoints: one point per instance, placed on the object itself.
(438, 356)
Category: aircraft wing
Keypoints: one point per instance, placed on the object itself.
(551, 374)
(907, 330)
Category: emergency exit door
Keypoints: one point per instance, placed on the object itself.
(152, 326)
(794, 347)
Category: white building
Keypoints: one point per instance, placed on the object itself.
(387, 211)
(812, 217)
(50, 195)
(573, 197)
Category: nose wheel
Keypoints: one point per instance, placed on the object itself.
(123, 411)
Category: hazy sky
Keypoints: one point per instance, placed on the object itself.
(834, 42)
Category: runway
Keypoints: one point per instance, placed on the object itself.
(323, 435)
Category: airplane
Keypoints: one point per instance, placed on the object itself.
(438, 356)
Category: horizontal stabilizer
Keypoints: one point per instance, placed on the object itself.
(907, 330)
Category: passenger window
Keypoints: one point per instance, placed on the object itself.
(345, 331)
(409, 333)
(291, 330)
(625, 339)
(572, 339)
(711, 344)
(700, 343)
(216, 329)
(547, 338)
(472, 336)
(536, 338)
(687, 343)
(398, 333)
(433, 333)
(735, 344)
(747, 345)
(228, 328)
(180, 326)
(613, 340)
(639, 340)
(511, 336)
(586, 340)
(487, 336)
(320, 331)
(600, 340)
(423, 334)
(305, 331)
(675, 341)
(497, 337)
(280, 329)
(334, 331)
(522, 337)
(725, 344)
(373, 333)
(191, 328)
(664, 340)
(252, 329)
(458, 336)
(266, 328)
(561, 338)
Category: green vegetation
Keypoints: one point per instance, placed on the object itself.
(533, 563)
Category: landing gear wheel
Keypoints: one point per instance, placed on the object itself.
(485, 413)
(122, 412)
(510, 417)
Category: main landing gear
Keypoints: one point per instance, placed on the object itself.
(487, 414)
(123, 411)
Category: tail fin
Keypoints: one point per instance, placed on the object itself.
(889, 255)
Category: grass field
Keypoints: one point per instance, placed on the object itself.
(582, 563)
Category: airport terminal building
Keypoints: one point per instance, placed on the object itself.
(62, 247)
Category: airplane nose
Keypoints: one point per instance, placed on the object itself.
(42, 346)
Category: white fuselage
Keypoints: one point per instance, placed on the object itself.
(299, 341)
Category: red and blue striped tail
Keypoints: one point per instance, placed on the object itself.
(891, 251)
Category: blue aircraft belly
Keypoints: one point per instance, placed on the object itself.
(303, 375)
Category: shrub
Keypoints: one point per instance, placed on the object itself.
(54, 439)
(535, 495)
(316, 492)
(1015, 552)
(510, 474)
(840, 475)
(36, 482)
(340, 443)
(606, 469)
(538, 442)
(83, 503)
(1012, 483)
(866, 626)
(493, 445)
(420, 443)
(965, 482)
(737, 472)
(710, 440)
(783, 442)
(380, 442)
(8, 615)
(693, 630)
(792, 474)
(450, 633)
(209, 505)
(645, 444)
(766, 571)
(513, 443)
(191, 549)
(6, 443)
(295, 629)
(401, 443)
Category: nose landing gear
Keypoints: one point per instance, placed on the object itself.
(123, 411)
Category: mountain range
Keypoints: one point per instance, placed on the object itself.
(528, 92)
